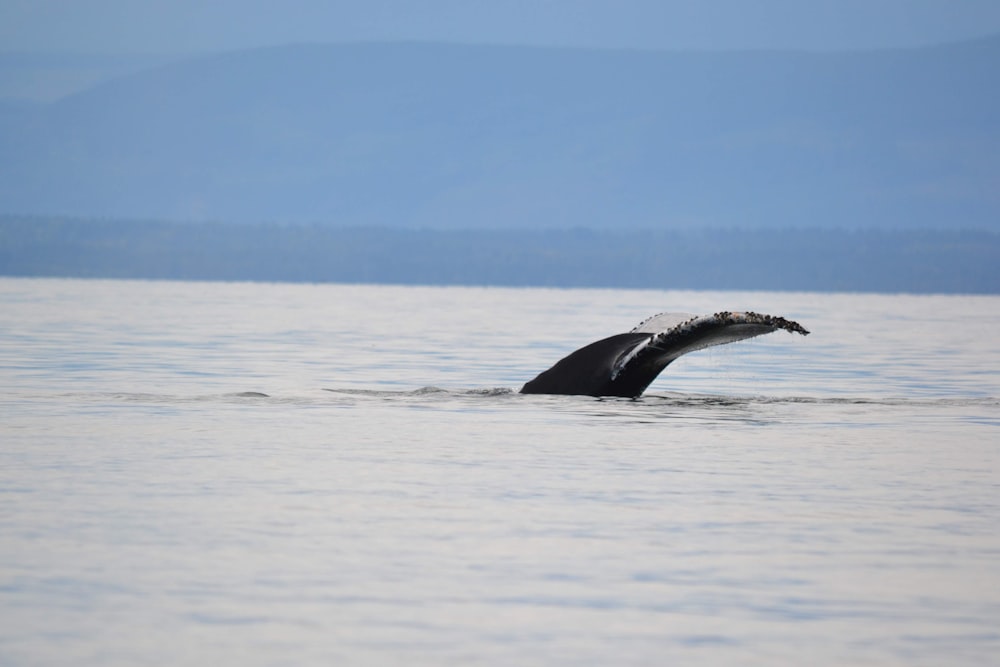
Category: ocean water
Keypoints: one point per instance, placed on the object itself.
(263, 474)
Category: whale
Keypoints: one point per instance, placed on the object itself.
(625, 364)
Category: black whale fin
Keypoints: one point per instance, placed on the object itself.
(625, 364)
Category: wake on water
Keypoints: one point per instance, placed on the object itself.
(504, 395)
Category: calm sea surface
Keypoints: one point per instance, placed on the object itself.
(258, 474)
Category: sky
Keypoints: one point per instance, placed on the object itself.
(198, 26)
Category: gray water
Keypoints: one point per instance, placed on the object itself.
(256, 474)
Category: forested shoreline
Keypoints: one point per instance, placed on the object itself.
(913, 261)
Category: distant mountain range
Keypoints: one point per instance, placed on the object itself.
(489, 137)
(915, 261)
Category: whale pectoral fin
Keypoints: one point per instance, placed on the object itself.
(624, 365)
(643, 364)
(697, 333)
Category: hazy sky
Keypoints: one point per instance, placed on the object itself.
(180, 26)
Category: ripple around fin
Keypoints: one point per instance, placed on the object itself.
(386, 393)
(422, 391)
(665, 406)
(670, 398)
(889, 401)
